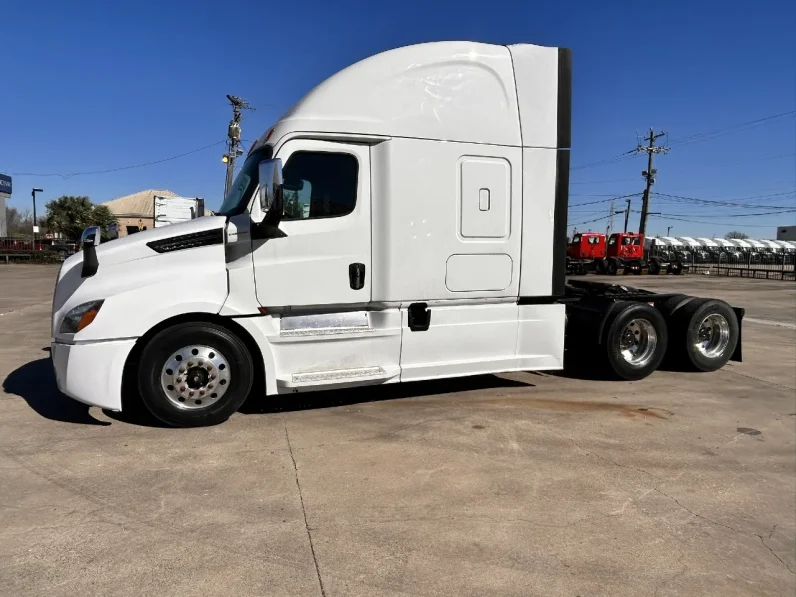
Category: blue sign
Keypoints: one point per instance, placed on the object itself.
(5, 184)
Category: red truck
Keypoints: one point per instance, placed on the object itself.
(585, 252)
(624, 252)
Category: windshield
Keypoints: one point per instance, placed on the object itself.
(245, 183)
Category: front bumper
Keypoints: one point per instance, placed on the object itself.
(92, 373)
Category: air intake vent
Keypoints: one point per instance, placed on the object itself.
(188, 241)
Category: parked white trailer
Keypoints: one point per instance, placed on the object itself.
(405, 220)
(174, 210)
(708, 242)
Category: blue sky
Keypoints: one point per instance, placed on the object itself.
(89, 86)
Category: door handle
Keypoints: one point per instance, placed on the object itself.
(356, 276)
(419, 317)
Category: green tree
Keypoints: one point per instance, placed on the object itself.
(736, 234)
(72, 215)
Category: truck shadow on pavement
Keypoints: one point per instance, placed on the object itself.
(376, 393)
(35, 383)
(134, 412)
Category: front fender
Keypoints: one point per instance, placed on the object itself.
(140, 294)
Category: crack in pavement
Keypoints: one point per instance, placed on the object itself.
(747, 533)
(676, 501)
(765, 381)
(25, 307)
(675, 576)
(304, 511)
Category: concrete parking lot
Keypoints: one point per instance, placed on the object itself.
(523, 484)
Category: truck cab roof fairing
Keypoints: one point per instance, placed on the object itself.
(448, 91)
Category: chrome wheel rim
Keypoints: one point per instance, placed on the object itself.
(195, 377)
(638, 341)
(713, 336)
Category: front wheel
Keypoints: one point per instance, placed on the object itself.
(654, 267)
(194, 374)
(612, 267)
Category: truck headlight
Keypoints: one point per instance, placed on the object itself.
(80, 317)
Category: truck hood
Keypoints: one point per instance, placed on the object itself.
(134, 246)
(141, 286)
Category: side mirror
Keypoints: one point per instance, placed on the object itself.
(91, 236)
(270, 175)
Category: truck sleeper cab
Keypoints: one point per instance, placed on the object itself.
(405, 220)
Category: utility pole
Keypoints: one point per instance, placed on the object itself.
(668, 230)
(649, 174)
(627, 213)
(611, 215)
(610, 220)
(233, 138)
(35, 225)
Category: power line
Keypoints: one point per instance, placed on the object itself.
(604, 200)
(689, 139)
(699, 137)
(590, 221)
(714, 222)
(698, 200)
(605, 181)
(771, 157)
(605, 162)
(740, 215)
(72, 174)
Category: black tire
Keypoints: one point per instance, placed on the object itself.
(155, 355)
(599, 266)
(671, 305)
(654, 267)
(612, 267)
(684, 332)
(675, 267)
(615, 330)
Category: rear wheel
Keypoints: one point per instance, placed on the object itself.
(704, 334)
(635, 341)
(669, 306)
(599, 266)
(194, 374)
(675, 267)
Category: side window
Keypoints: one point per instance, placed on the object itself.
(319, 185)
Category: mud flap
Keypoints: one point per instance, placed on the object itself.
(738, 354)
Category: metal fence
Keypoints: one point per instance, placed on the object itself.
(12, 245)
(768, 265)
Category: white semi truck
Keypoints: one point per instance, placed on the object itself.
(405, 220)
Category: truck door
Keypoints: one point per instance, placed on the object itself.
(323, 257)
